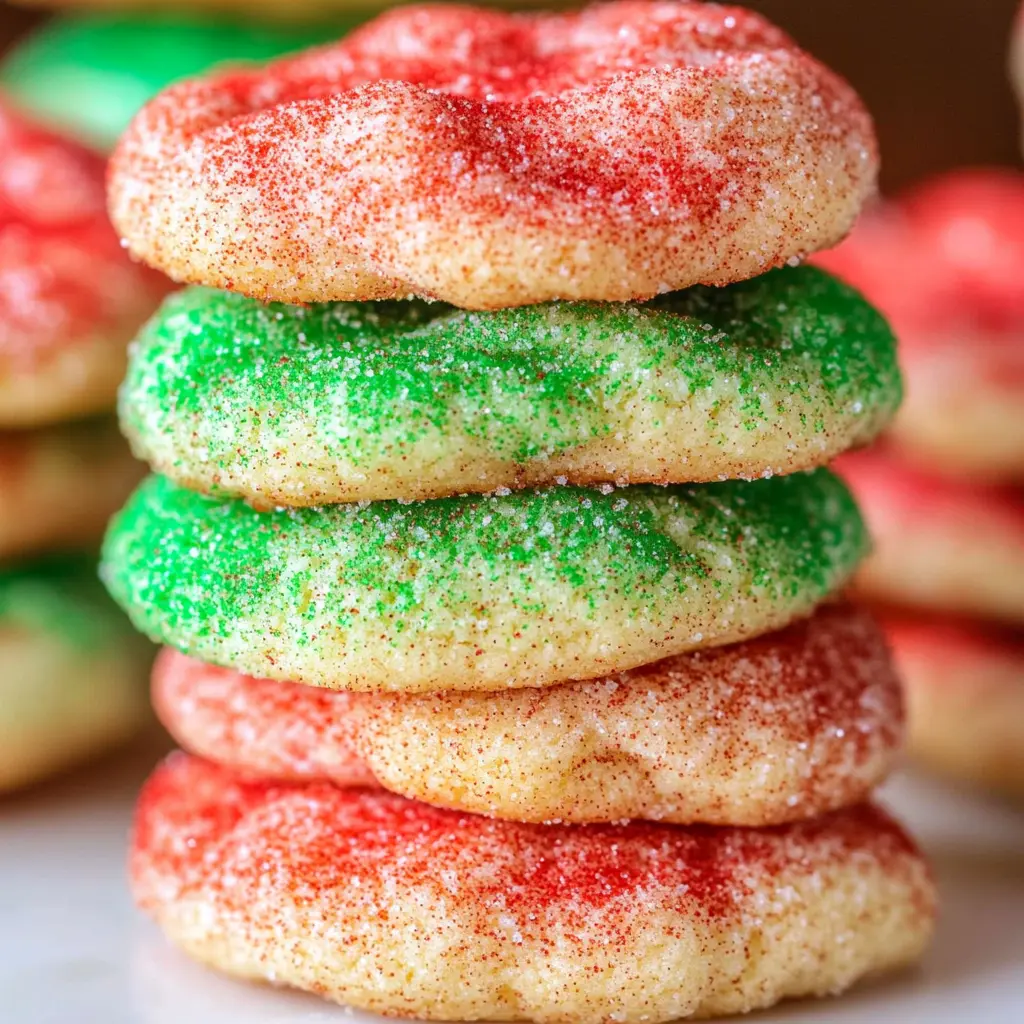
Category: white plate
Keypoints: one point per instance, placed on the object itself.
(73, 951)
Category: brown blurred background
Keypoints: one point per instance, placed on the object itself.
(933, 73)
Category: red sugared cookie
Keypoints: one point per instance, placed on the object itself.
(393, 906)
(783, 727)
(965, 689)
(70, 298)
(939, 544)
(495, 160)
(945, 264)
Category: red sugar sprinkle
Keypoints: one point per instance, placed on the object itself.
(492, 159)
(202, 827)
(260, 726)
(490, 57)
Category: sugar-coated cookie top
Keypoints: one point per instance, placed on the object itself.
(304, 405)
(492, 159)
(522, 589)
(412, 558)
(494, 58)
(386, 841)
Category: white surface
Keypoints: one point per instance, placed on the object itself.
(73, 951)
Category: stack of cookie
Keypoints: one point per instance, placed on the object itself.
(71, 670)
(946, 264)
(409, 547)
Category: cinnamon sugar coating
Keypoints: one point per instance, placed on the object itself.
(771, 730)
(390, 905)
(70, 298)
(495, 160)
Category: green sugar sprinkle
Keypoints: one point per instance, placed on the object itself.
(232, 585)
(220, 384)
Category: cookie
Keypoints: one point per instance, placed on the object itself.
(86, 75)
(478, 593)
(776, 729)
(59, 485)
(70, 298)
(299, 405)
(392, 906)
(71, 671)
(939, 545)
(945, 264)
(494, 160)
(965, 689)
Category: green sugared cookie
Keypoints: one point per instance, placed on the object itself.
(290, 405)
(522, 589)
(87, 74)
(72, 673)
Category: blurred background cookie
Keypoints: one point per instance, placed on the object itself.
(70, 298)
(87, 74)
(945, 264)
(70, 670)
(940, 544)
(965, 690)
(71, 673)
(944, 495)
(59, 485)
